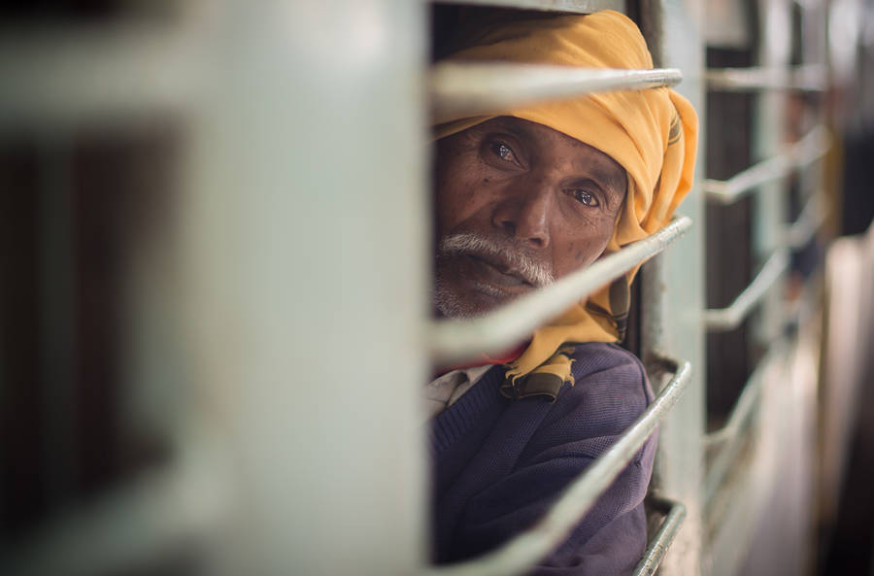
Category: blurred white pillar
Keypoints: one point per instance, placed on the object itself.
(306, 262)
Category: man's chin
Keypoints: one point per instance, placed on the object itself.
(451, 304)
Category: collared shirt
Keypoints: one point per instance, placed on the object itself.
(445, 390)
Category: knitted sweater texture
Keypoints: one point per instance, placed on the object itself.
(498, 464)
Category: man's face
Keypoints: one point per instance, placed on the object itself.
(518, 205)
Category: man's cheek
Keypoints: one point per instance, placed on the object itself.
(575, 252)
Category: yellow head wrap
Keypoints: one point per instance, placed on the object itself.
(651, 133)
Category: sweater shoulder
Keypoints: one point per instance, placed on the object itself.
(609, 393)
(594, 357)
(606, 372)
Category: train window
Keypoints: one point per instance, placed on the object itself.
(215, 314)
(84, 218)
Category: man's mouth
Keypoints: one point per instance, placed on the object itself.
(488, 271)
(476, 273)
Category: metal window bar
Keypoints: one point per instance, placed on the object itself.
(741, 412)
(808, 222)
(574, 6)
(454, 341)
(798, 310)
(810, 148)
(728, 438)
(460, 89)
(525, 550)
(807, 78)
(798, 234)
(724, 319)
(57, 76)
(675, 514)
(137, 523)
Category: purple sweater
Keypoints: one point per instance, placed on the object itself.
(498, 464)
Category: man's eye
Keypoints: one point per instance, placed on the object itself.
(585, 197)
(504, 152)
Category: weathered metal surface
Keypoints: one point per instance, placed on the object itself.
(664, 537)
(576, 6)
(469, 88)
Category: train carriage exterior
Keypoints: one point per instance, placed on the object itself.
(214, 311)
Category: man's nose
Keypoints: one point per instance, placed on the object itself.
(524, 214)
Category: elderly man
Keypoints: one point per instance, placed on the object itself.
(521, 199)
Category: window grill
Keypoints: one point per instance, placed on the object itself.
(807, 78)
(477, 88)
(571, 6)
(459, 89)
(800, 155)
(737, 474)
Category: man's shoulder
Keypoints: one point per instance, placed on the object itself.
(603, 364)
(597, 356)
(610, 391)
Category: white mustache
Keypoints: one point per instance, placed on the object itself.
(517, 262)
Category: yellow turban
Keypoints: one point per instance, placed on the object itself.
(651, 133)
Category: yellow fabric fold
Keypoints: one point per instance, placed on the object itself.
(651, 133)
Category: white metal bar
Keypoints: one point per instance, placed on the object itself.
(729, 318)
(728, 439)
(808, 78)
(673, 292)
(745, 404)
(56, 76)
(469, 88)
(805, 226)
(302, 86)
(807, 150)
(658, 547)
(454, 341)
(769, 127)
(740, 414)
(522, 552)
(145, 521)
(577, 6)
